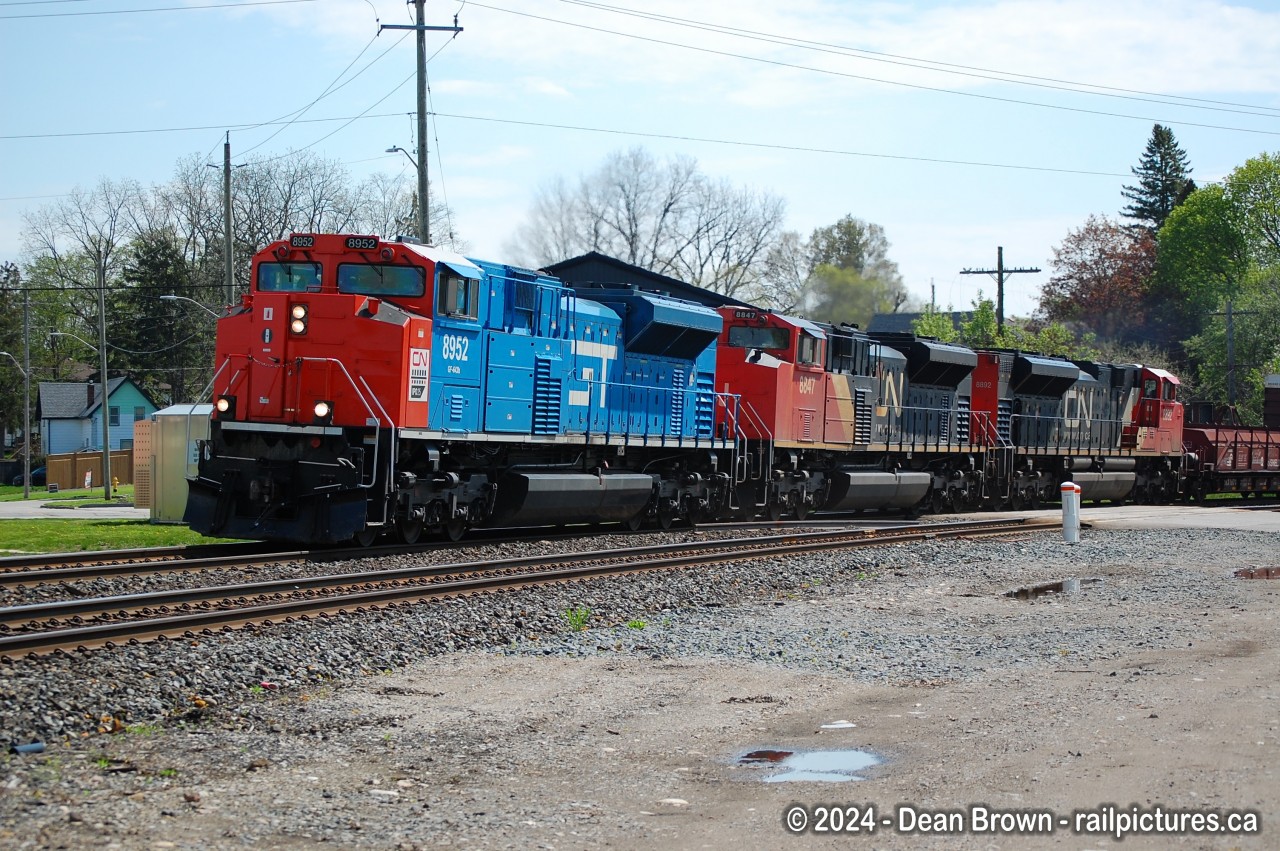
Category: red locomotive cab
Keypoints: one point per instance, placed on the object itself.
(775, 363)
(335, 331)
(1158, 416)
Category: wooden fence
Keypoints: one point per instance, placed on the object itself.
(69, 470)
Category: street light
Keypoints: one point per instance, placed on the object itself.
(171, 297)
(26, 425)
(395, 148)
(106, 411)
(424, 227)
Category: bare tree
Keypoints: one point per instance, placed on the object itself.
(663, 216)
(784, 277)
(81, 238)
(730, 230)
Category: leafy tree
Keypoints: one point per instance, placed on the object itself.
(1163, 177)
(1254, 189)
(1203, 257)
(982, 331)
(1101, 276)
(935, 323)
(853, 244)
(844, 295)
(166, 347)
(1256, 341)
(851, 277)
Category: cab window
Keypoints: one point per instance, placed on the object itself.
(810, 350)
(457, 296)
(375, 279)
(756, 337)
(1170, 392)
(1151, 389)
(289, 277)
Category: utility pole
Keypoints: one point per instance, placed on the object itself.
(103, 401)
(227, 257)
(1001, 274)
(1231, 313)
(424, 191)
(26, 389)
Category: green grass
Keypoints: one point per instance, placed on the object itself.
(70, 536)
(9, 493)
(578, 618)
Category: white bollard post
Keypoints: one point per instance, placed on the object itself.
(1070, 512)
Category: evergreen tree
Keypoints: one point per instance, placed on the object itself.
(1163, 178)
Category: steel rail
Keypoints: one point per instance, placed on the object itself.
(112, 606)
(495, 575)
(29, 570)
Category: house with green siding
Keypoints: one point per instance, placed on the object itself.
(70, 414)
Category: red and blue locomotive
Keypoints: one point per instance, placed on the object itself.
(366, 386)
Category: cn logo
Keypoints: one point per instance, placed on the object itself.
(419, 358)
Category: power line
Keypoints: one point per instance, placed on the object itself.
(919, 87)
(155, 9)
(328, 90)
(934, 65)
(773, 147)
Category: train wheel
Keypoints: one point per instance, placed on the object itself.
(1017, 501)
(1033, 499)
(937, 501)
(366, 536)
(773, 511)
(633, 524)
(455, 529)
(800, 510)
(409, 530)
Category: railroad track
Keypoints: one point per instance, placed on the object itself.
(77, 625)
(49, 568)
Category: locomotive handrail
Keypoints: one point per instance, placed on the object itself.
(626, 409)
(1061, 437)
(377, 423)
(208, 390)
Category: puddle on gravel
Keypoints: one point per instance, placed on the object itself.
(1065, 586)
(813, 766)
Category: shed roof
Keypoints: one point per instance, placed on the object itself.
(596, 268)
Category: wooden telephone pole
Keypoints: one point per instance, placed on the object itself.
(1000, 273)
(424, 190)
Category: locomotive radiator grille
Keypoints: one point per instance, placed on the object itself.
(705, 402)
(861, 418)
(546, 399)
(676, 423)
(1004, 422)
(962, 419)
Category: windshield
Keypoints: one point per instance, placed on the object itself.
(373, 279)
(755, 337)
(289, 277)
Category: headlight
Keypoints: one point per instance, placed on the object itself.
(323, 409)
(298, 326)
(299, 311)
(226, 407)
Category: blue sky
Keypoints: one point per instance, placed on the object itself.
(886, 138)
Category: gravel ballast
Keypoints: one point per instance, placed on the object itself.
(930, 615)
